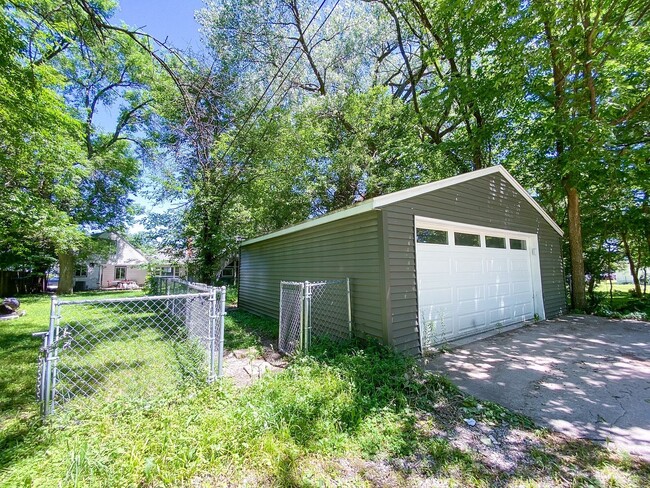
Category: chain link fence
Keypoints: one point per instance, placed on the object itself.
(134, 348)
(165, 285)
(314, 311)
(292, 298)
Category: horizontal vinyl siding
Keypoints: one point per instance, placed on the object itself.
(488, 201)
(344, 248)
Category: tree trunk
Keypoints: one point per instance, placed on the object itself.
(66, 273)
(578, 300)
(634, 269)
(590, 288)
(207, 272)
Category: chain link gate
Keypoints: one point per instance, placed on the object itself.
(312, 311)
(134, 347)
(166, 285)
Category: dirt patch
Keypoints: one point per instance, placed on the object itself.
(244, 366)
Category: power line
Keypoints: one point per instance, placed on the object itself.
(291, 69)
(259, 100)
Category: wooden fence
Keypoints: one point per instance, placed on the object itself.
(20, 283)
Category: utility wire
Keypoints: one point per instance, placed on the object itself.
(289, 71)
(275, 76)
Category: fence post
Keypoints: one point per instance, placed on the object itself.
(212, 332)
(302, 317)
(307, 315)
(280, 314)
(222, 323)
(347, 289)
(49, 373)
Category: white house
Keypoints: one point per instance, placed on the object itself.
(123, 267)
(167, 265)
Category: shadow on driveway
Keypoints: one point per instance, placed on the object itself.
(584, 376)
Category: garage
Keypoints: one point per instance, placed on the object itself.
(473, 279)
(446, 260)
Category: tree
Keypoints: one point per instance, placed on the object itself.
(105, 74)
(58, 167)
(349, 100)
(594, 55)
(41, 162)
(352, 99)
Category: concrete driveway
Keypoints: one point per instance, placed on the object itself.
(587, 377)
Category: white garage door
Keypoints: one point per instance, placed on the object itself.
(474, 279)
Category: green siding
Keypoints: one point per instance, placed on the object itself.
(376, 250)
(344, 248)
(488, 201)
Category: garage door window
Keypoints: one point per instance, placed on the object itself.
(471, 240)
(432, 236)
(518, 244)
(495, 242)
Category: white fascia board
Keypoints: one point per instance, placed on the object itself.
(531, 200)
(398, 196)
(330, 217)
(373, 203)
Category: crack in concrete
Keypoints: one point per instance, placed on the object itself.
(618, 400)
(572, 375)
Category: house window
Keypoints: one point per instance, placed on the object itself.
(120, 272)
(518, 244)
(81, 272)
(495, 242)
(471, 240)
(227, 272)
(166, 271)
(432, 236)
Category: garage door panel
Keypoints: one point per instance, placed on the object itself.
(520, 265)
(433, 277)
(519, 285)
(498, 315)
(470, 293)
(496, 303)
(437, 324)
(521, 288)
(498, 289)
(496, 265)
(466, 290)
(468, 307)
(522, 310)
(469, 265)
(437, 296)
(436, 312)
(469, 322)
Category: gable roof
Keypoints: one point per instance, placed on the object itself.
(398, 196)
(125, 254)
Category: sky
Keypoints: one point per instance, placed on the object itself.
(171, 20)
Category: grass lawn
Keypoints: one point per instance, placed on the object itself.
(603, 287)
(346, 416)
(621, 303)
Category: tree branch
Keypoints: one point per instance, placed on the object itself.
(633, 111)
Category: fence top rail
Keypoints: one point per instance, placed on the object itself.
(327, 282)
(130, 299)
(316, 283)
(189, 284)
